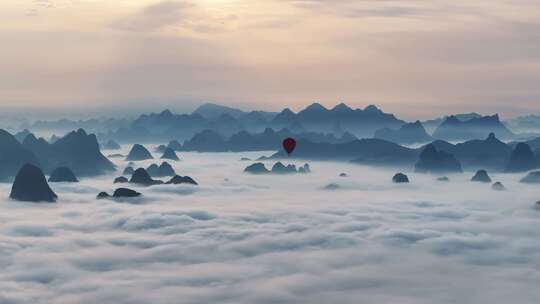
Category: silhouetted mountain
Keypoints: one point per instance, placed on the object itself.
(317, 118)
(256, 168)
(103, 195)
(409, 133)
(165, 169)
(433, 161)
(79, 152)
(128, 171)
(124, 192)
(169, 154)
(481, 176)
(120, 180)
(529, 123)
(490, 153)
(522, 159)
(432, 124)
(400, 178)
(139, 152)
(207, 140)
(13, 156)
(498, 186)
(141, 177)
(30, 185)
(177, 180)
(365, 151)
(213, 111)
(63, 174)
(454, 129)
(531, 178)
(211, 141)
(280, 168)
(20, 136)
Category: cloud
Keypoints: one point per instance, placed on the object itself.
(280, 240)
(156, 16)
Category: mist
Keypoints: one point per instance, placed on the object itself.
(241, 238)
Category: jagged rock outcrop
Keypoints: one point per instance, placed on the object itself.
(280, 168)
(169, 154)
(177, 180)
(21, 135)
(141, 177)
(128, 171)
(165, 169)
(433, 161)
(13, 156)
(531, 178)
(256, 168)
(304, 169)
(443, 179)
(522, 159)
(125, 192)
(103, 195)
(77, 150)
(343, 175)
(63, 174)
(481, 176)
(120, 180)
(400, 178)
(139, 152)
(498, 186)
(30, 185)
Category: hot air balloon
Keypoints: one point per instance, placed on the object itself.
(289, 144)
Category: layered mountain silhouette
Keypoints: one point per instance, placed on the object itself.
(227, 121)
(409, 133)
(211, 141)
(77, 150)
(364, 151)
(433, 161)
(453, 129)
(522, 159)
(360, 122)
(489, 153)
(13, 155)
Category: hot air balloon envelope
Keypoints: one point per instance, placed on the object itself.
(289, 144)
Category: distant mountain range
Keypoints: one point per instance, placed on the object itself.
(269, 140)
(366, 122)
(454, 129)
(489, 153)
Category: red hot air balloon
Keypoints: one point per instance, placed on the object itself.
(289, 144)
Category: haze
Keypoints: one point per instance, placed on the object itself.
(416, 58)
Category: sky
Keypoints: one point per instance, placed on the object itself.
(415, 58)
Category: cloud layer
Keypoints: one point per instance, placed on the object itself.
(269, 239)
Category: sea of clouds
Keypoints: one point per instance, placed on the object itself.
(240, 238)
